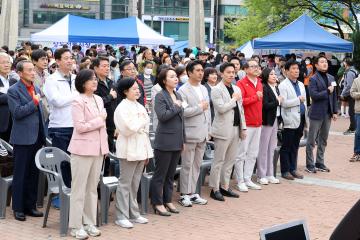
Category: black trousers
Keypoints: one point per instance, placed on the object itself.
(112, 149)
(6, 135)
(162, 183)
(351, 102)
(26, 174)
(290, 146)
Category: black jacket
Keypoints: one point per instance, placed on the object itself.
(4, 108)
(109, 102)
(270, 104)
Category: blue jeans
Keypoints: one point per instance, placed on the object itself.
(357, 134)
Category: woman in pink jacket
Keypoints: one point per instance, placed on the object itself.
(88, 146)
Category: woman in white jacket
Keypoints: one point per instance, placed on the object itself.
(133, 148)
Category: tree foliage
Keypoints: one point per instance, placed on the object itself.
(267, 16)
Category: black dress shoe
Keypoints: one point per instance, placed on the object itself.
(229, 193)
(34, 213)
(20, 216)
(217, 195)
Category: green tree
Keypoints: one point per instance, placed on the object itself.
(263, 17)
(267, 16)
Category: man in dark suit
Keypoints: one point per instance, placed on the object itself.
(323, 109)
(5, 83)
(109, 96)
(27, 136)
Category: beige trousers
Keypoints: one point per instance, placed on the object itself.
(126, 193)
(85, 172)
(191, 158)
(224, 159)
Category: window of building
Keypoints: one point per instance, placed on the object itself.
(177, 30)
(172, 7)
(232, 10)
(119, 9)
(156, 25)
(49, 17)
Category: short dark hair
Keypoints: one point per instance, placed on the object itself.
(123, 85)
(84, 59)
(160, 68)
(59, 52)
(20, 65)
(162, 76)
(226, 65)
(96, 62)
(180, 70)
(37, 54)
(124, 64)
(146, 62)
(290, 63)
(207, 72)
(349, 61)
(113, 63)
(191, 65)
(317, 59)
(82, 77)
(235, 58)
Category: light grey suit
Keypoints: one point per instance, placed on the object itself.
(226, 135)
(290, 106)
(197, 128)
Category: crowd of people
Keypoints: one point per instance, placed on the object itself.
(105, 100)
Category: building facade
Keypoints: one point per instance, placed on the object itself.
(168, 17)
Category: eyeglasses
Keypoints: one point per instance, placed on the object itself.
(130, 69)
(254, 66)
(5, 62)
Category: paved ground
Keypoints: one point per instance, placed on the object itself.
(322, 199)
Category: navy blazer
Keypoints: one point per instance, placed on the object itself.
(170, 132)
(28, 119)
(4, 107)
(321, 97)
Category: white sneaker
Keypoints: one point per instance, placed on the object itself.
(124, 223)
(273, 180)
(252, 185)
(141, 220)
(263, 181)
(185, 201)
(242, 187)
(195, 198)
(79, 233)
(92, 230)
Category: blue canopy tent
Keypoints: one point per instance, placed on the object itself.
(116, 31)
(304, 33)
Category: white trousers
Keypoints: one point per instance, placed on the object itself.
(247, 154)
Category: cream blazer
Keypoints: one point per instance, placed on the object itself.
(132, 121)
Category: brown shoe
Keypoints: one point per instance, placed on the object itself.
(295, 174)
(287, 176)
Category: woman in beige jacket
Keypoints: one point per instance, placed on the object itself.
(133, 148)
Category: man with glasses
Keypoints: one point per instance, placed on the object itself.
(128, 69)
(5, 83)
(252, 94)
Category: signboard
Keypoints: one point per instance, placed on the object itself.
(64, 6)
(171, 19)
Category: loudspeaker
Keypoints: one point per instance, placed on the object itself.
(349, 227)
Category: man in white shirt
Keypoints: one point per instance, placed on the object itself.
(60, 92)
(197, 120)
(5, 83)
